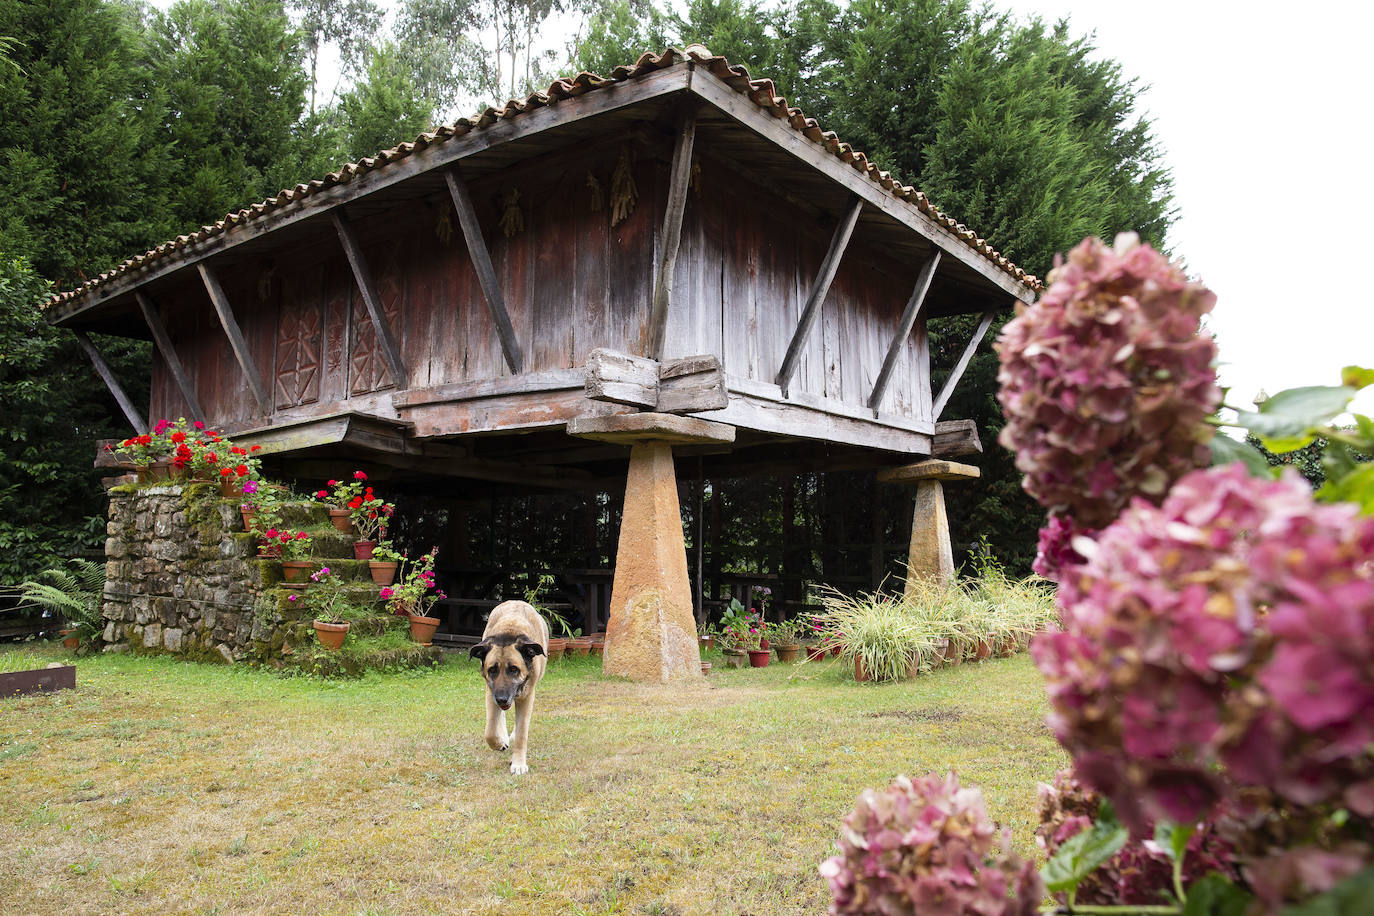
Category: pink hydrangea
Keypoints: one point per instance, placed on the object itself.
(927, 846)
(1224, 639)
(1055, 555)
(1106, 381)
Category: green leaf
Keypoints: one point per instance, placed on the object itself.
(1355, 486)
(1349, 898)
(1173, 838)
(1081, 854)
(1225, 450)
(1295, 413)
(1214, 895)
(1357, 377)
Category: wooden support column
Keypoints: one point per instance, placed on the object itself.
(363, 277)
(102, 368)
(169, 354)
(652, 633)
(481, 263)
(959, 367)
(838, 243)
(908, 321)
(930, 556)
(680, 178)
(236, 341)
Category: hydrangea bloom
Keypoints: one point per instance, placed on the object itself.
(1223, 639)
(1055, 554)
(1139, 871)
(927, 847)
(1106, 381)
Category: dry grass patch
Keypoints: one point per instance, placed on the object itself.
(159, 786)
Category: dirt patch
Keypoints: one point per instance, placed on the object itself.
(919, 715)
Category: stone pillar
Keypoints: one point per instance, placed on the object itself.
(930, 555)
(652, 633)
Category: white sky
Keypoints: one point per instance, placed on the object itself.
(1264, 112)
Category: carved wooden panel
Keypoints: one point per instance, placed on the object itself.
(300, 327)
(368, 370)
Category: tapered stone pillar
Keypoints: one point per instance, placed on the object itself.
(652, 632)
(929, 555)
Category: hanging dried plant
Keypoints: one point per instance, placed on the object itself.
(623, 190)
(598, 196)
(695, 182)
(265, 277)
(511, 219)
(443, 228)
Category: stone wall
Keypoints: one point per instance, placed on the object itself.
(183, 577)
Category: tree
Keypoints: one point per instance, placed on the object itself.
(349, 25)
(385, 109)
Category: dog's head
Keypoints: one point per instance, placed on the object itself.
(506, 665)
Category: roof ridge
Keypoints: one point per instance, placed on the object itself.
(762, 92)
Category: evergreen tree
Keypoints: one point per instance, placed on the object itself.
(385, 109)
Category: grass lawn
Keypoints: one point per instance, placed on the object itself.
(159, 786)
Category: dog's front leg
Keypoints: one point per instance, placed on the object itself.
(496, 726)
(524, 706)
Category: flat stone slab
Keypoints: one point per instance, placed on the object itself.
(929, 470)
(629, 428)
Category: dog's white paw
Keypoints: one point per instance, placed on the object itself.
(499, 743)
(519, 769)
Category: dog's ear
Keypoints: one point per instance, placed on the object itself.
(480, 650)
(529, 650)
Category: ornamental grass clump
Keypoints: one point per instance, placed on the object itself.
(927, 846)
(1107, 380)
(877, 631)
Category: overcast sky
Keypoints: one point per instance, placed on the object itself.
(1264, 112)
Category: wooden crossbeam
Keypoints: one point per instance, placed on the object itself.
(824, 277)
(169, 354)
(486, 271)
(959, 367)
(363, 277)
(899, 338)
(680, 178)
(102, 368)
(235, 335)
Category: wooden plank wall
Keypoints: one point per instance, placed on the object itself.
(572, 283)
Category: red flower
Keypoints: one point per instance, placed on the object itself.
(270, 533)
(198, 425)
(255, 448)
(321, 494)
(211, 457)
(225, 472)
(333, 483)
(359, 475)
(236, 450)
(355, 502)
(241, 470)
(301, 535)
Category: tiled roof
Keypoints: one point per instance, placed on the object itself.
(761, 91)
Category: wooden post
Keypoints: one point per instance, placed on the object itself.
(959, 367)
(236, 341)
(169, 354)
(481, 263)
(363, 277)
(838, 243)
(680, 178)
(102, 368)
(908, 321)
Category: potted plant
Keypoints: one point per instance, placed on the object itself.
(707, 634)
(741, 639)
(414, 594)
(334, 610)
(383, 563)
(295, 553)
(880, 635)
(241, 467)
(147, 454)
(368, 514)
(534, 597)
(71, 592)
(785, 637)
(340, 494)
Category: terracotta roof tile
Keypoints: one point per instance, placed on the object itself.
(761, 91)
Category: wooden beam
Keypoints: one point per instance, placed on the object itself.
(679, 179)
(169, 354)
(481, 263)
(954, 438)
(103, 369)
(236, 341)
(766, 125)
(959, 367)
(436, 155)
(622, 379)
(363, 277)
(691, 384)
(908, 321)
(838, 243)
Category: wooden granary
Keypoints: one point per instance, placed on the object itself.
(669, 260)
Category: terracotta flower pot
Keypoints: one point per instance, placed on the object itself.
(248, 516)
(557, 645)
(708, 642)
(422, 629)
(758, 658)
(579, 646)
(69, 639)
(362, 550)
(705, 667)
(155, 472)
(383, 571)
(983, 649)
(815, 652)
(788, 654)
(763, 644)
(229, 487)
(296, 570)
(331, 635)
(835, 650)
(941, 651)
(179, 472)
(339, 518)
(860, 673)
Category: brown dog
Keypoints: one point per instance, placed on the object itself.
(513, 652)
